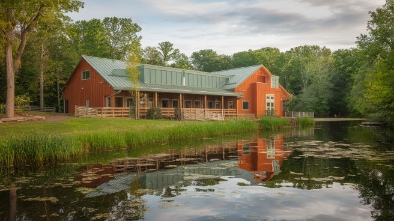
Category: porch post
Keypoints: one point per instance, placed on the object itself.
(222, 102)
(155, 99)
(180, 106)
(205, 102)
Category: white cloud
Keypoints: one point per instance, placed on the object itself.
(238, 25)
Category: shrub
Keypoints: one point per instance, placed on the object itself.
(304, 121)
(153, 113)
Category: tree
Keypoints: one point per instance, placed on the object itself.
(374, 84)
(120, 33)
(314, 67)
(133, 61)
(89, 38)
(152, 56)
(206, 60)
(22, 17)
(167, 51)
(345, 64)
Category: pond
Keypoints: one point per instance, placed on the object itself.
(334, 171)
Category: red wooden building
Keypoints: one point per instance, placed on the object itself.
(104, 85)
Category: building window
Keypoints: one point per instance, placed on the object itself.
(245, 105)
(270, 104)
(230, 105)
(218, 104)
(274, 81)
(108, 101)
(197, 104)
(175, 103)
(118, 101)
(188, 104)
(85, 75)
(210, 104)
(165, 103)
(129, 102)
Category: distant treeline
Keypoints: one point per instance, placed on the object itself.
(347, 82)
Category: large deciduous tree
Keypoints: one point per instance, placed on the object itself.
(373, 92)
(17, 20)
(108, 38)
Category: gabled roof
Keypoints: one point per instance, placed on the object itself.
(114, 73)
(238, 75)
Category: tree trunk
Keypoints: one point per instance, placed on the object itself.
(10, 101)
(42, 78)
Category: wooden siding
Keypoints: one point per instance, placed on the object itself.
(254, 90)
(95, 89)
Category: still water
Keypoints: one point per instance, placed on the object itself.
(334, 171)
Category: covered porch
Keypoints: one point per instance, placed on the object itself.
(178, 106)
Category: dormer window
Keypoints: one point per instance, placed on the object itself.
(85, 75)
(274, 81)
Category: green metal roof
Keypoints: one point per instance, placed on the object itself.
(238, 75)
(114, 73)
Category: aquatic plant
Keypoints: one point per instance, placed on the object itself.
(273, 123)
(304, 121)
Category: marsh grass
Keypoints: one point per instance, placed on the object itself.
(273, 123)
(304, 121)
(40, 144)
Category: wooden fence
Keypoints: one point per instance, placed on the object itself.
(36, 108)
(299, 114)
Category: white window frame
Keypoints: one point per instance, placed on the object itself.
(274, 81)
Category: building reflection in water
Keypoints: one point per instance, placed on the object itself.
(260, 156)
(263, 157)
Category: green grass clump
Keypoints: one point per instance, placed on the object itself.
(273, 123)
(40, 143)
(304, 121)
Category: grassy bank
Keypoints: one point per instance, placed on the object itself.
(41, 142)
(276, 123)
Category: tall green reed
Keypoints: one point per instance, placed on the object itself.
(36, 148)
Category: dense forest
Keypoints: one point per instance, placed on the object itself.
(348, 82)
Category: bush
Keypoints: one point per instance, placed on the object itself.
(153, 113)
(304, 121)
(22, 101)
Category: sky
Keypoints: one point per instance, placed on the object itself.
(233, 26)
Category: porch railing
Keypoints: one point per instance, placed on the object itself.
(167, 113)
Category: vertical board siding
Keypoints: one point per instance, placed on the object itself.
(255, 92)
(95, 89)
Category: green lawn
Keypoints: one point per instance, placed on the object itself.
(78, 125)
